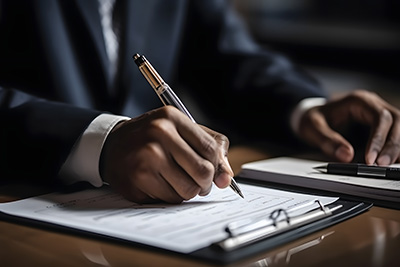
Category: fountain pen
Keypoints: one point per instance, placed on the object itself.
(168, 97)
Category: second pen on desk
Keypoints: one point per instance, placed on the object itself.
(168, 97)
(360, 170)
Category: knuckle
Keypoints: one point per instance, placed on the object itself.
(169, 112)
(209, 146)
(205, 170)
(360, 97)
(355, 95)
(222, 139)
(393, 143)
(160, 127)
(361, 94)
(378, 141)
(386, 116)
(217, 142)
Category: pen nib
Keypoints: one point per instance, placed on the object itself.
(236, 188)
(321, 168)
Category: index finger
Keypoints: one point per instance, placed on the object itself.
(379, 135)
(224, 172)
(211, 146)
(368, 108)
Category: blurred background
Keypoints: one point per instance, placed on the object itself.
(346, 45)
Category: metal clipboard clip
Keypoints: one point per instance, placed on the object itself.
(241, 234)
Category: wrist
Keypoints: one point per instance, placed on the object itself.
(106, 150)
(302, 107)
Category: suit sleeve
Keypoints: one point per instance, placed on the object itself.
(244, 86)
(36, 136)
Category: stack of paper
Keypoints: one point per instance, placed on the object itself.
(298, 172)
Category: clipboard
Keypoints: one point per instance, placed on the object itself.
(218, 255)
(325, 216)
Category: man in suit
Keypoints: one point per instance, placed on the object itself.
(59, 51)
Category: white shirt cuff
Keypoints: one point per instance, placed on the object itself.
(83, 162)
(301, 108)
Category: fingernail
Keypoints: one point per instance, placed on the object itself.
(371, 157)
(228, 166)
(205, 192)
(222, 180)
(384, 160)
(344, 154)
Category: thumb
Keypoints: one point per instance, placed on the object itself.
(340, 150)
(319, 134)
(224, 174)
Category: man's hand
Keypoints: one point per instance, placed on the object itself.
(319, 125)
(163, 155)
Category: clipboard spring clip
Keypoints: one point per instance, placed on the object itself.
(252, 224)
(274, 216)
(249, 231)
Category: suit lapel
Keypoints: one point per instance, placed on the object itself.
(164, 30)
(90, 15)
(134, 93)
(152, 29)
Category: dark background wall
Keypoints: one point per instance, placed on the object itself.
(347, 45)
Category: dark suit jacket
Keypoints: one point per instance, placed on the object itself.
(55, 50)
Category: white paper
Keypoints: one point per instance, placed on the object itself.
(184, 228)
(299, 167)
(300, 172)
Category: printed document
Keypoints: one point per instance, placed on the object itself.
(184, 227)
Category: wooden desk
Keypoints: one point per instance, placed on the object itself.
(370, 239)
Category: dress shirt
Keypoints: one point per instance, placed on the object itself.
(83, 162)
(301, 108)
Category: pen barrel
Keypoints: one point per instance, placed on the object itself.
(148, 71)
(151, 75)
(168, 97)
(371, 171)
(162, 89)
(363, 170)
(393, 173)
(344, 169)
